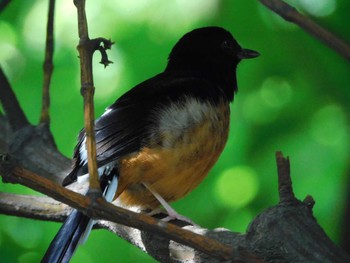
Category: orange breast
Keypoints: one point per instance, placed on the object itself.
(176, 169)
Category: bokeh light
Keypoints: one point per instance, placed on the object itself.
(276, 92)
(328, 126)
(263, 106)
(317, 7)
(237, 187)
(34, 20)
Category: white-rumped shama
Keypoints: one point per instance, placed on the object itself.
(159, 140)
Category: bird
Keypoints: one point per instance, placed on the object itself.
(160, 139)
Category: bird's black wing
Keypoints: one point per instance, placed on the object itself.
(129, 122)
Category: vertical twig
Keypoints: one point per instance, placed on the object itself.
(48, 65)
(86, 49)
(289, 13)
(285, 189)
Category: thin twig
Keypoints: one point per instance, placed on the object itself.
(289, 13)
(86, 51)
(100, 209)
(9, 102)
(48, 64)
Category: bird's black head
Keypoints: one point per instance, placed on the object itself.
(211, 52)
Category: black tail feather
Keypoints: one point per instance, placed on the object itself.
(62, 247)
(66, 240)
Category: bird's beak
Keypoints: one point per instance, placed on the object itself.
(247, 53)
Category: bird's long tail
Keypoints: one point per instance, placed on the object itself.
(77, 226)
(66, 240)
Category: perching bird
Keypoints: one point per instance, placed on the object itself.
(159, 140)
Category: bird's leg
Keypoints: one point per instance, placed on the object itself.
(172, 214)
(153, 212)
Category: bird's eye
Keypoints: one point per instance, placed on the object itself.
(226, 45)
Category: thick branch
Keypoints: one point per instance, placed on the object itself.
(48, 64)
(284, 233)
(33, 148)
(99, 208)
(10, 104)
(289, 13)
(34, 207)
(4, 134)
(45, 208)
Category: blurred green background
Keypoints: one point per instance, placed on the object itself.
(294, 98)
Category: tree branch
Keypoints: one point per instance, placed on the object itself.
(100, 209)
(286, 232)
(86, 49)
(284, 180)
(34, 207)
(48, 64)
(290, 14)
(10, 104)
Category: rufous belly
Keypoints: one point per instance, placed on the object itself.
(173, 171)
